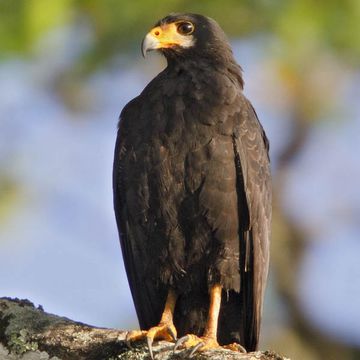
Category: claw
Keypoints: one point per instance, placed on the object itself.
(128, 341)
(180, 341)
(196, 348)
(235, 347)
(240, 348)
(172, 333)
(149, 341)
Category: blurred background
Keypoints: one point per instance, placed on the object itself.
(67, 68)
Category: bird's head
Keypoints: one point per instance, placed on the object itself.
(185, 35)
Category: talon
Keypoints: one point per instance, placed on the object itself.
(149, 341)
(180, 341)
(240, 348)
(172, 333)
(196, 348)
(127, 340)
(235, 347)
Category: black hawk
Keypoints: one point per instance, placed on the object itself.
(192, 193)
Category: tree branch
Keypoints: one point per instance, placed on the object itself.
(25, 329)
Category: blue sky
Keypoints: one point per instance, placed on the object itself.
(59, 244)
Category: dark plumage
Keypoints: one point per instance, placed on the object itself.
(192, 190)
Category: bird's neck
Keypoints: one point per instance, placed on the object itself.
(207, 67)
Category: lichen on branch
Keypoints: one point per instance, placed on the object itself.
(25, 329)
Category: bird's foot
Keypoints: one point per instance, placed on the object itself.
(235, 347)
(195, 343)
(204, 343)
(163, 331)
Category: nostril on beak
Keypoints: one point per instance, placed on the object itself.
(156, 32)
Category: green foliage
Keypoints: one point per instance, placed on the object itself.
(20, 343)
(309, 26)
(22, 22)
(9, 196)
(42, 15)
(301, 26)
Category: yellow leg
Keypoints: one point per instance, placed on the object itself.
(209, 339)
(165, 330)
(214, 310)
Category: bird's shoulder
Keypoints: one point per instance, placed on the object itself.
(252, 149)
(248, 128)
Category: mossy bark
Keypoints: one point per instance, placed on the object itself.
(29, 333)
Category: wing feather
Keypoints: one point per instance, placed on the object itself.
(251, 147)
(148, 298)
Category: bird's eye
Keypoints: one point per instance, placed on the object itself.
(185, 28)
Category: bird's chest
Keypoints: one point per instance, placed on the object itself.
(176, 137)
(173, 123)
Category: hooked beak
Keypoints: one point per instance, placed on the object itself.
(164, 37)
(149, 43)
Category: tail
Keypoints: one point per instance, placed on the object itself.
(240, 315)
